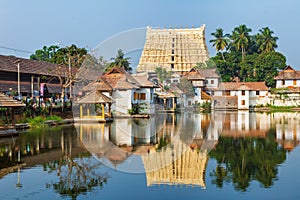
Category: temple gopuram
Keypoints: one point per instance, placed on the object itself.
(178, 49)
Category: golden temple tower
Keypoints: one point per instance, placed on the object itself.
(178, 49)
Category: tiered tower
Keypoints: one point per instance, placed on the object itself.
(178, 49)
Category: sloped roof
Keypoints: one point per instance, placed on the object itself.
(99, 85)
(209, 73)
(254, 86)
(6, 101)
(93, 98)
(143, 79)
(118, 78)
(9, 64)
(194, 75)
(287, 74)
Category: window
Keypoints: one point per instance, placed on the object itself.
(283, 82)
(257, 93)
(172, 58)
(295, 82)
(243, 92)
(172, 66)
(212, 81)
(226, 93)
(135, 95)
(243, 102)
(172, 51)
(142, 96)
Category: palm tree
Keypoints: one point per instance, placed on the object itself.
(266, 41)
(120, 61)
(241, 38)
(221, 41)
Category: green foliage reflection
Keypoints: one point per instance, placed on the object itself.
(242, 160)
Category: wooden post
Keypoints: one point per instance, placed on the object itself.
(165, 103)
(102, 106)
(88, 110)
(109, 109)
(13, 117)
(173, 102)
(80, 111)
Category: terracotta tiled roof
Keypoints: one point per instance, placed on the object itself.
(99, 85)
(93, 98)
(254, 86)
(8, 63)
(194, 75)
(209, 73)
(143, 80)
(287, 74)
(6, 101)
(118, 78)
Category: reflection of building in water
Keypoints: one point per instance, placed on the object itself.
(179, 165)
(287, 129)
(245, 123)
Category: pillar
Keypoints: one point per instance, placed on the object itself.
(88, 110)
(13, 117)
(165, 103)
(173, 103)
(109, 109)
(102, 107)
(80, 111)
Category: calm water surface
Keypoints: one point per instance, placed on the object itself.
(232, 155)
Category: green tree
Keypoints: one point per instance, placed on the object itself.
(70, 55)
(220, 41)
(241, 39)
(266, 41)
(242, 160)
(163, 76)
(267, 65)
(120, 61)
(45, 54)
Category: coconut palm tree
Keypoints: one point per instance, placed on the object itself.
(221, 41)
(121, 61)
(241, 39)
(266, 41)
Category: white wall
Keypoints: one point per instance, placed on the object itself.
(287, 83)
(122, 102)
(241, 98)
(212, 85)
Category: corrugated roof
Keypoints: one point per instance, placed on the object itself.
(6, 101)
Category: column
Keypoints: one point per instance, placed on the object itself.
(88, 110)
(109, 109)
(173, 102)
(80, 111)
(102, 106)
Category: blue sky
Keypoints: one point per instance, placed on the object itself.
(30, 24)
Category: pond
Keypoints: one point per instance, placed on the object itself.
(169, 156)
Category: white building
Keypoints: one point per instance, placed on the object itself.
(126, 90)
(240, 95)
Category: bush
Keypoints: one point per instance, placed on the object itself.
(55, 118)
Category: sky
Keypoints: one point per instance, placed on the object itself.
(31, 24)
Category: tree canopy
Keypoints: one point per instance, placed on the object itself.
(120, 61)
(72, 55)
(246, 57)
